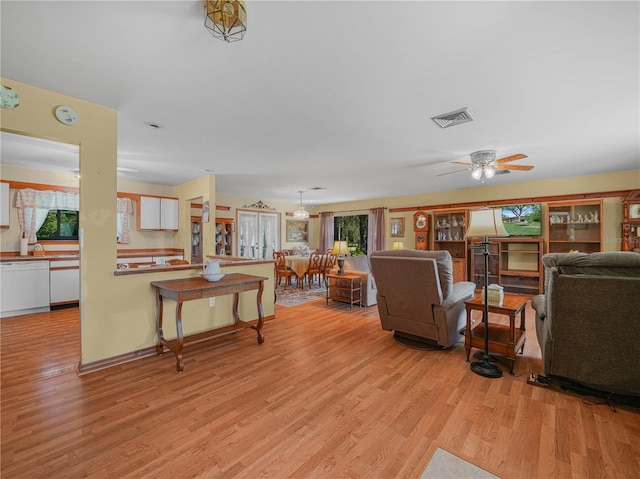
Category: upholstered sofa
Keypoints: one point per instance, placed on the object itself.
(417, 298)
(588, 320)
(359, 266)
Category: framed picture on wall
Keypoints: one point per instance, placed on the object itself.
(297, 231)
(397, 227)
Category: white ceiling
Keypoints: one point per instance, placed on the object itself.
(340, 94)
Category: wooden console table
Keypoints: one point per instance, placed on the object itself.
(503, 339)
(187, 289)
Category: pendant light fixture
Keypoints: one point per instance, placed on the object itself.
(301, 213)
(226, 19)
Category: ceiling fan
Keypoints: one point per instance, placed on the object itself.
(484, 164)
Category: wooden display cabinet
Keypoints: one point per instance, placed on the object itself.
(196, 239)
(521, 268)
(449, 228)
(224, 236)
(631, 222)
(574, 226)
(514, 264)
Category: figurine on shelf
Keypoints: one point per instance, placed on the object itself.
(454, 221)
(438, 224)
(450, 238)
(580, 218)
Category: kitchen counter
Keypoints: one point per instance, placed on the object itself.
(47, 257)
(225, 261)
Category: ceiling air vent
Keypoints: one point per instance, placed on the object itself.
(453, 118)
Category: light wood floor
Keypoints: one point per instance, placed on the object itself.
(328, 395)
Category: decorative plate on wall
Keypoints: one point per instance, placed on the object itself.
(66, 115)
(9, 98)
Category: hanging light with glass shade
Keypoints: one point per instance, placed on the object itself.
(301, 213)
(226, 19)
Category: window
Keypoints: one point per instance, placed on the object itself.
(59, 225)
(354, 229)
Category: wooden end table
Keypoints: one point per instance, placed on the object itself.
(346, 288)
(503, 339)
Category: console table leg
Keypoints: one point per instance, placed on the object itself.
(236, 299)
(159, 332)
(179, 338)
(258, 326)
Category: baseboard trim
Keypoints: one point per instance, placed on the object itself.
(101, 364)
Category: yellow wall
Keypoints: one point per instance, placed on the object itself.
(117, 312)
(612, 215)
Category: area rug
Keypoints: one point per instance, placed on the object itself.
(293, 296)
(444, 465)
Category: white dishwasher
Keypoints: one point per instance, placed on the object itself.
(24, 287)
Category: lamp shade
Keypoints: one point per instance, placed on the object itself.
(340, 247)
(397, 245)
(486, 222)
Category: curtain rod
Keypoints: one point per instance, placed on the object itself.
(351, 211)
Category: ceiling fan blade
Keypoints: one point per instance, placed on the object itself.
(455, 171)
(517, 156)
(462, 163)
(515, 167)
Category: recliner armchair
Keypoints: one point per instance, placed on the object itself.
(588, 320)
(417, 298)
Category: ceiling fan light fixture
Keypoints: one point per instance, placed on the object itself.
(483, 157)
(226, 19)
(476, 174)
(489, 171)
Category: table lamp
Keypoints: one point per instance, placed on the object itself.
(486, 223)
(397, 245)
(341, 249)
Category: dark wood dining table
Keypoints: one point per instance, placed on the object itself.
(188, 289)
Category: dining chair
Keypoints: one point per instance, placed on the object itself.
(314, 269)
(327, 265)
(282, 270)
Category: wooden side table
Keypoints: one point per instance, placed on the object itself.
(503, 339)
(346, 288)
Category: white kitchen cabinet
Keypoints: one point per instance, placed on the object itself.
(64, 282)
(149, 213)
(5, 205)
(168, 214)
(157, 213)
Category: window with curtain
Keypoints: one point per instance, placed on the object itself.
(34, 206)
(354, 230)
(124, 209)
(59, 225)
